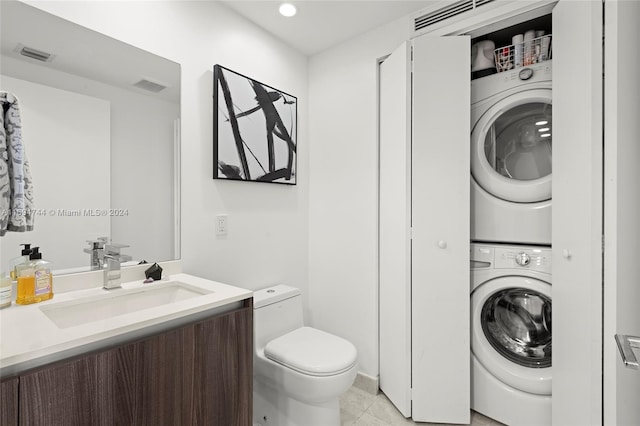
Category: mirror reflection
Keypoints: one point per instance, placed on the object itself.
(100, 126)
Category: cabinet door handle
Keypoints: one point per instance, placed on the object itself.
(625, 346)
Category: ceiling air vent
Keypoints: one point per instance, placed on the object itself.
(151, 86)
(32, 53)
(447, 12)
(481, 2)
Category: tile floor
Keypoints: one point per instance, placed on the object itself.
(361, 408)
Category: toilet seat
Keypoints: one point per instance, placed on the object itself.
(312, 352)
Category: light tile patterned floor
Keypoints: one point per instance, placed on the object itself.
(361, 408)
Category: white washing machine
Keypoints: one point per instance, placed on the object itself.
(511, 156)
(511, 333)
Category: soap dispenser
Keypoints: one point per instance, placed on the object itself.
(35, 282)
(22, 259)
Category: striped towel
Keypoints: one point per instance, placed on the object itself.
(16, 185)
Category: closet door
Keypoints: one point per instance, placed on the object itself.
(424, 185)
(395, 227)
(577, 213)
(440, 220)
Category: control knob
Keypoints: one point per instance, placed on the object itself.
(522, 259)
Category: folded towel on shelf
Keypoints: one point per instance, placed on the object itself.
(16, 185)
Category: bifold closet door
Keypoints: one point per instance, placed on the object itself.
(577, 215)
(440, 221)
(395, 228)
(424, 185)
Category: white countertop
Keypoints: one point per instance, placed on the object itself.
(28, 338)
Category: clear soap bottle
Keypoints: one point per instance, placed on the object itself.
(17, 261)
(5, 290)
(35, 282)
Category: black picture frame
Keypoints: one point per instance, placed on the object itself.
(254, 130)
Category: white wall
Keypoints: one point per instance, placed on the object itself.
(267, 238)
(343, 208)
(621, 385)
(142, 178)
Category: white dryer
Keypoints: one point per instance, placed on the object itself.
(511, 333)
(511, 156)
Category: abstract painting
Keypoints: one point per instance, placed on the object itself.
(254, 130)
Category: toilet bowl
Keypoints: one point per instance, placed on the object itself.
(298, 372)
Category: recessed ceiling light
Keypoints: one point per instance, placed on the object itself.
(287, 9)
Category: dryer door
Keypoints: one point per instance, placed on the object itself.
(511, 321)
(511, 147)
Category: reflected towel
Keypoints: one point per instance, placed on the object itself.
(16, 185)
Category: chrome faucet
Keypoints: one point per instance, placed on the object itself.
(112, 260)
(96, 252)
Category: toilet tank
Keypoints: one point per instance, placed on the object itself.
(277, 310)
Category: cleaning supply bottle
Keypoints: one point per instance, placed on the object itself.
(5, 290)
(23, 258)
(35, 282)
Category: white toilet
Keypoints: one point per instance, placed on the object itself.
(298, 372)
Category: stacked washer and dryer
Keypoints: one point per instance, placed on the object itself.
(511, 245)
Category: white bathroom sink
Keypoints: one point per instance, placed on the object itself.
(119, 302)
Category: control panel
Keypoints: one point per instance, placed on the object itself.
(511, 257)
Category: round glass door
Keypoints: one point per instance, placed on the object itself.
(512, 147)
(517, 324)
(518, 143)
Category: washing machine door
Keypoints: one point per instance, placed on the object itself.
(511, 323)
(511, 147)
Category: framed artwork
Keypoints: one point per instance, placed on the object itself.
(254, 130)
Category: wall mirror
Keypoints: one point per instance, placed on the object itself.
(101, 130)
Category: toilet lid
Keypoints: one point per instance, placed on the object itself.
(313, 352)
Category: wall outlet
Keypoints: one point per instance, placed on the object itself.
(221, 225)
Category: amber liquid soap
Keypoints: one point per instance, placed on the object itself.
(35, 283)
(25, 289)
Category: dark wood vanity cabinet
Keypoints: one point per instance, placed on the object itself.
(9, 402)
(198, 374)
